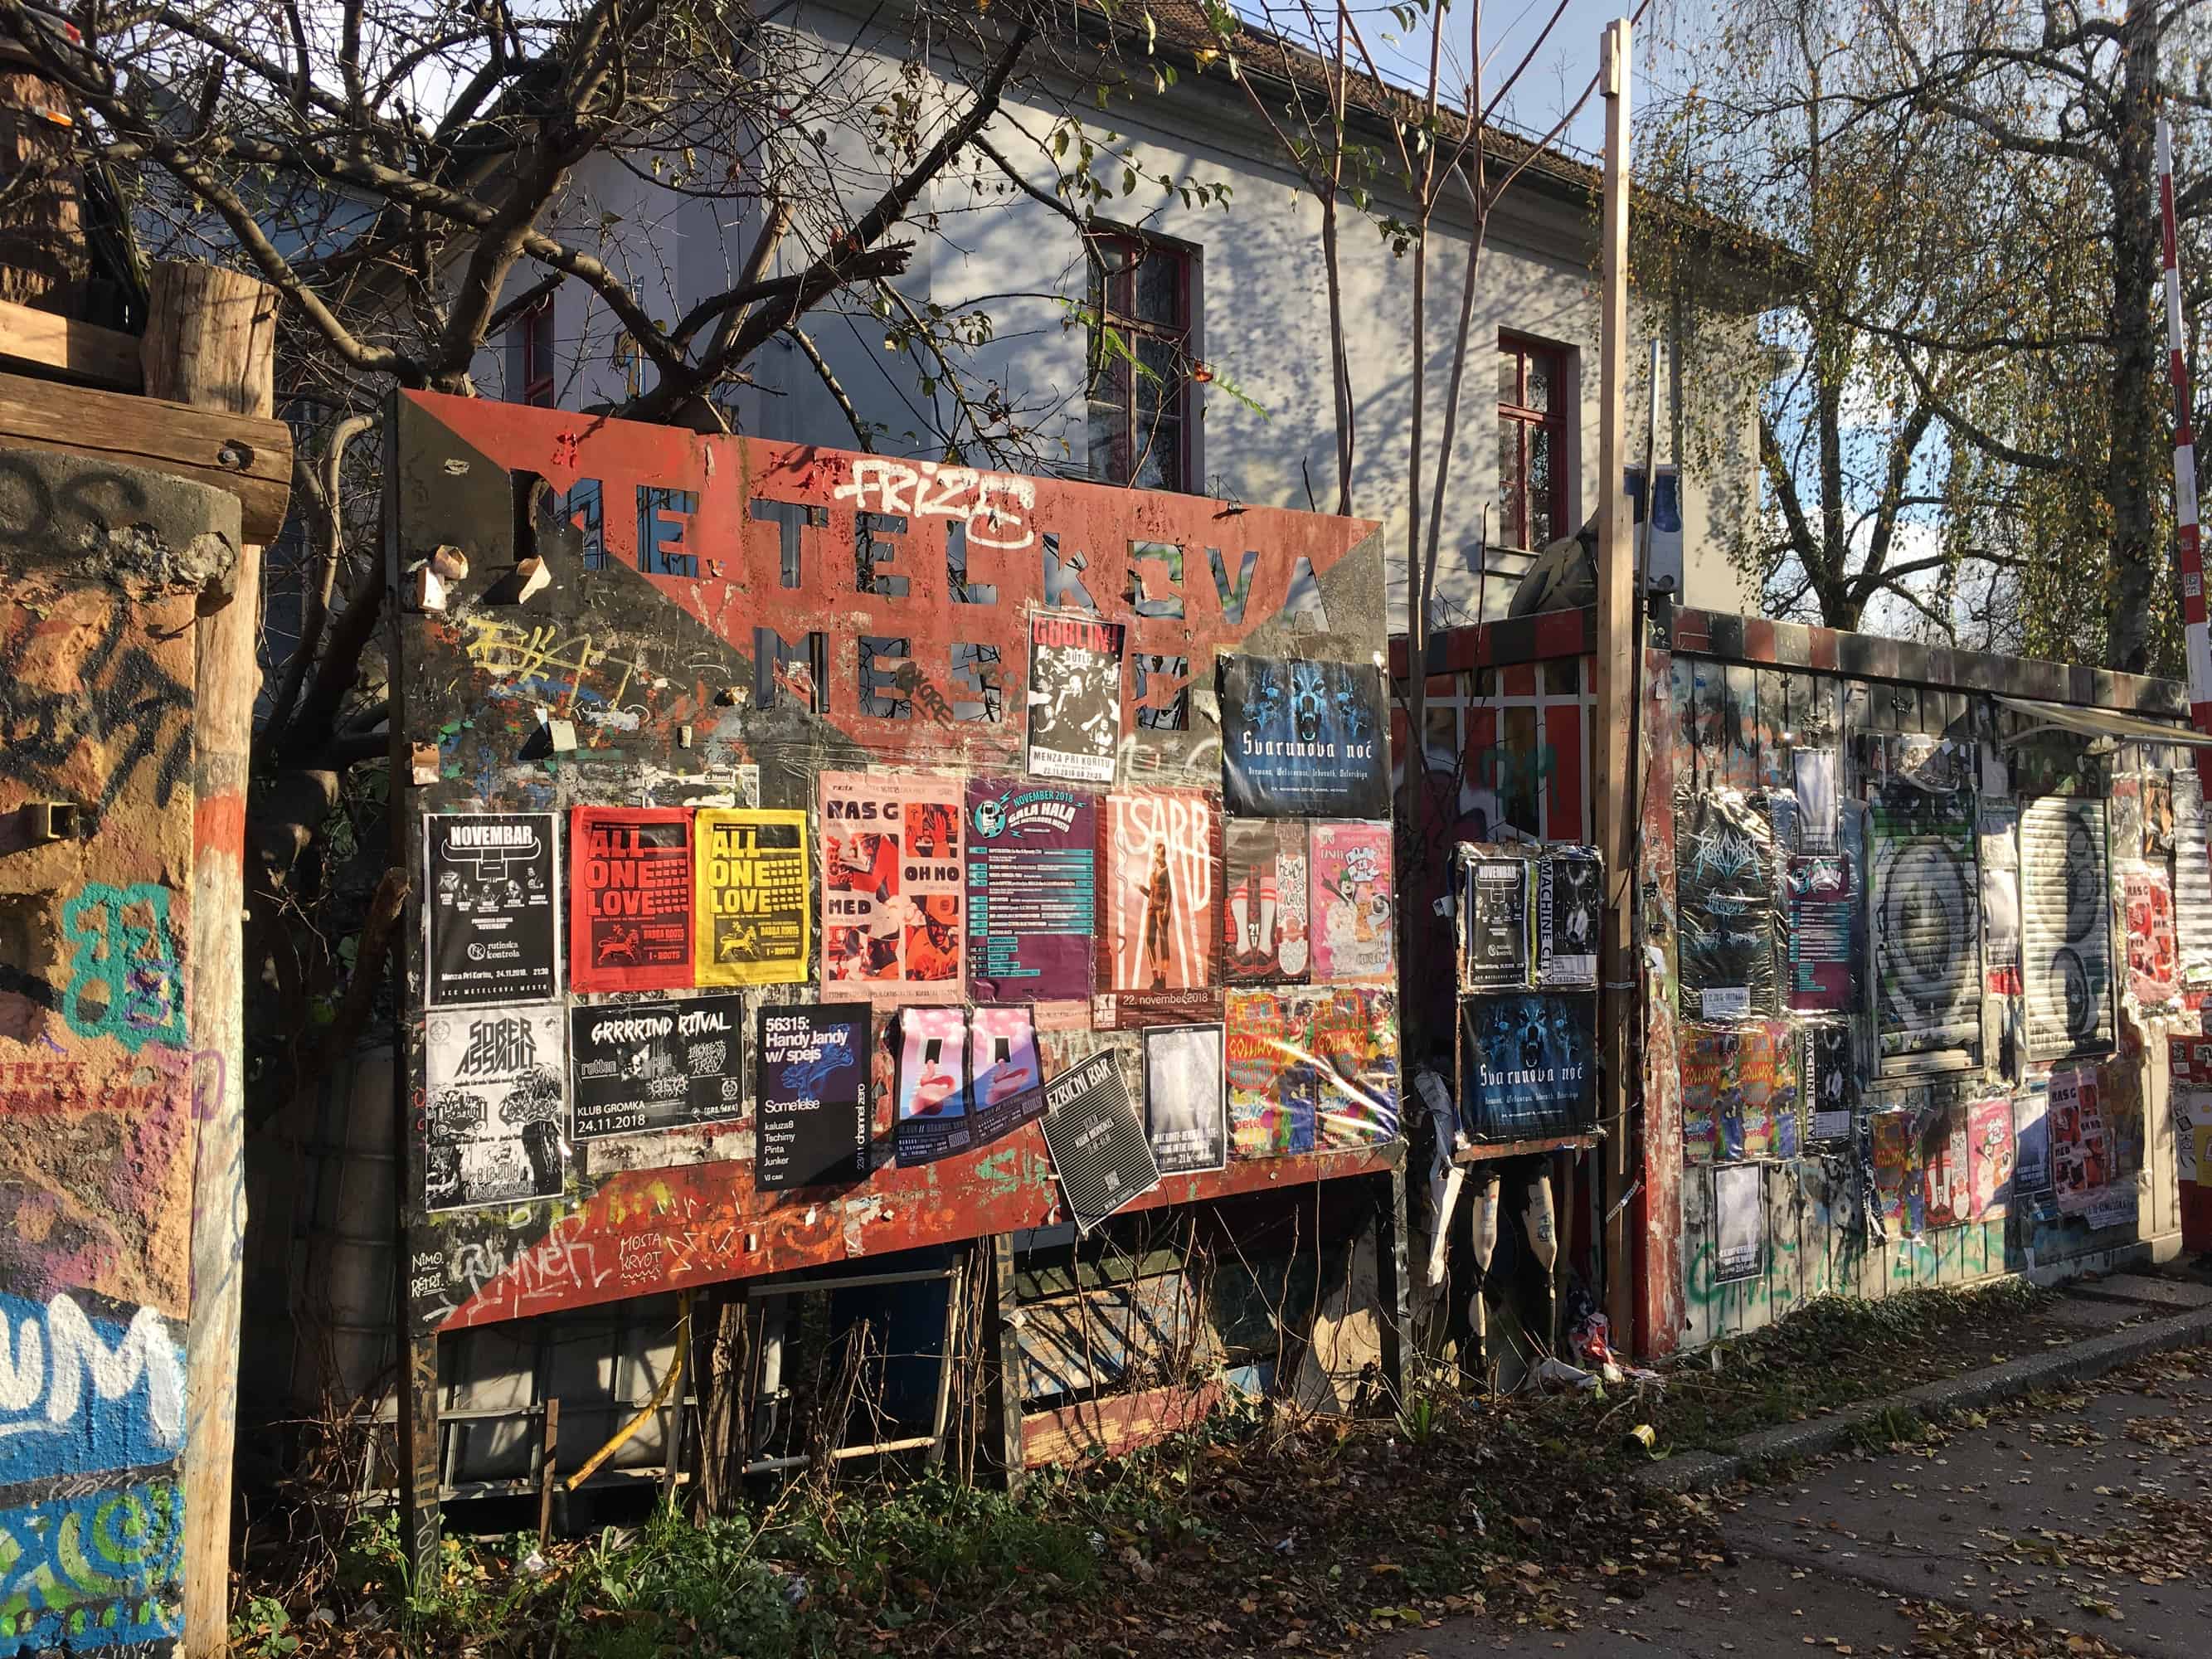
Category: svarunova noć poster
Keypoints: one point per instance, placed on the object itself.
(495, 1104)
(1304, 739)
(891, 887)
(1160, 921)
(630, 903)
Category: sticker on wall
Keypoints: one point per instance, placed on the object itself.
(2192, 880)
(1304, 739)
(1096, 1141)
(1493, 897)
(1186, 1116)
(630, 903)
(1726, 891)
(753, 898)
(489, 909)
(1528, 1064)
(1074, 696)
(892, 884)
(1160, 913)
(2154, 965)
(931, 1121)
(811, 1060)
(1032, 889)
(1570, 901)
(1823, 909)
(1353, 927)
(639, 1067)
(495, 1112)
(1266, 939)
(1924, 898)
(2066, 927)
(1739, 1222)
(1005, 1086)
(1989, 1156)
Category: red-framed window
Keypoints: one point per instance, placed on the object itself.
(1139, 411)
(1532, 443)
(533, 353)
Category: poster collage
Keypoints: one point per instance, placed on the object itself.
(946, 923)
(1902, 955)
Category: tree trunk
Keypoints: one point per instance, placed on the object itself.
(2139, 455)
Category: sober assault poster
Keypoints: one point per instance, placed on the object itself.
(1302, 740)
(752, 898)
(812, 1063)
(495, 1105)
(644, 1066)
(892, 884)
(1267, 941)
(493, 935)
(1032, 890)
(1160, 914)
(630, 910)
(1074, 696)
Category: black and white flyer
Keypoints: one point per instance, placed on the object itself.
(490, 915)
(1074, 696)
(1096, 1141)
(640, 1067)
(1494, 919)
(495, 1105)
(1570, 899)
(812, 1063)
(1186, 1109)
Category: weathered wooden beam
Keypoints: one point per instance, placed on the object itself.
(249, 455)
(83, 352)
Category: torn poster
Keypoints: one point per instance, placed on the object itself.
(1302, 738)
(489, 914)
(1353, 927)
(1989, 1157)
(1005, 1086)
(754, 896)
(638, 1067)
(1160, 912)
(892, 883)
(1822, 916)
(932, 1119)
(1266, 938)
(2000, 932)
(1096, 1141)
(1570, 899)
(2066, 927)
(2081, 1150)
(2030, 1138)
(1494, 898)
(1924, 899)
(629, 900)
(812, 1063)
(2154, 965)
(1032, 890)
(2193, 1120)
(1738, 1213)
(1186, 1116)
(1074, 696)
(1726, 888)
(1528, 1065)
(496, 1105)
(2158, 816)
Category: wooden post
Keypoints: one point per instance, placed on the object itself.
(547, 1459)
(1613, 766)
(210, 341)
(1002, 1324)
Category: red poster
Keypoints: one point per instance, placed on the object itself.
(1160, 908)
(893, 887)
(2154, 965)
(629, 898)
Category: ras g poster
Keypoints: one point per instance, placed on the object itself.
(2154, 962)
(1096, 1140)
(1264, 912)
(1074, 696)
(1569, 899)
(496, 1115)
(1032, 890)
(812, 1064)
(1528, 1064)
(490, 915)
(642, 1067)
(629, 904)
(1351, 892)
(1304, 739)
(2081, 1148)
(753, 897)
(932, 1085)
(1185, 1120)
(892, 886)
(1160, 914)
(1493, 900)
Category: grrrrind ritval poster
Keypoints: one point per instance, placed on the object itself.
(1160, 912)
(892, 881)
(753, 897)
(630, 903)
(1074, 696)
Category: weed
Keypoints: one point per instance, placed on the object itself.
(262, 1629)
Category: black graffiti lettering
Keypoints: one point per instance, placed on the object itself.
(126, 703)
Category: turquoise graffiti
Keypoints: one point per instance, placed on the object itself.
(100, 1571)
(127, 977)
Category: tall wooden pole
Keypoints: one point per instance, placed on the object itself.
(211, 340)
(1614, 766)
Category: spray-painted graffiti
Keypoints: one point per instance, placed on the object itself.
(115, 699)
(81, 1391)
(126, 979)
(95, 1569)
(994, 507)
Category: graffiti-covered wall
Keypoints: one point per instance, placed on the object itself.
(101, 568)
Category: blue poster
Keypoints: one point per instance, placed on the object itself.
(1527, 1066)
(1304, 739)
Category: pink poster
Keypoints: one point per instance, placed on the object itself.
(1351, 914)
(2152, 955)
(893, 886)
(1989, 1157)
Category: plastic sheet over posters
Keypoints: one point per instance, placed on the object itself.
(1726, 888)
(1186, 1117)
(1032, 890)
(639, 1067)
(1925, 896)
(1266, 938)
(1570, 898)
(2154, 965)
(1312, 1070)
(629, 900)
(1096, 1141)
(1493, 900)
(754, 897)
(1074, 696)
(931, 1121)
(1528, 1065)
(1352, 928)
(1740, 1097)
(1304, 739)
(495, 1104)
(1160, 912)
(489, 908)
(892, 887)
(812, 1063)
(2192, 879)
(2066, 927)
(2080, 1147)
(1899, 1197)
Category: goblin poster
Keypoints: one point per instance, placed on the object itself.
(1304, 739)
(1074, 696)
(630, 907)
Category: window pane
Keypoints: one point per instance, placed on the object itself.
(1106, 424)
(1509, 376)
(1541, 529)
(1509, 485)
(1159, 287)
(1541, 369)
(1160, 464)
(1162, 386)
(1563, 676)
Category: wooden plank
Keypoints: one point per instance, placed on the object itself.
(249, 455)
(1002, 1428)
(1109, 1427)
(82, 351)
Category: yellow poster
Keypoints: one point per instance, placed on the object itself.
(752, 897)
